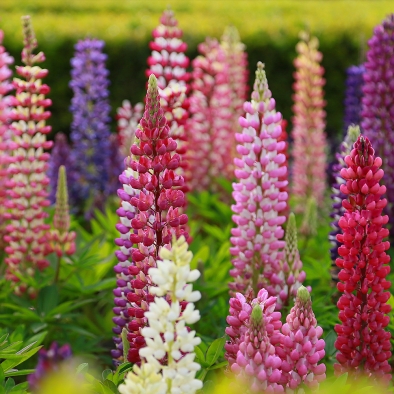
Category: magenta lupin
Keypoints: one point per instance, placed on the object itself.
(149, 217)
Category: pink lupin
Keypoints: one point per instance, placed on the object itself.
(257, 245)
(302, 348)
(309, 168)
(256, 360)
(5, 87)
(211, 124)
(169, 63)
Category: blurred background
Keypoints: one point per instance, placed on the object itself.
(269, 30)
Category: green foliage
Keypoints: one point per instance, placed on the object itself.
(210, 225)
(208, 356)
(77, 309)
(108, 382)
(14, 351)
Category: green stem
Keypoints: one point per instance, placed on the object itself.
(59, 259)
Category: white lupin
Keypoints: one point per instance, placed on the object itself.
(167, 335)
(144, 380)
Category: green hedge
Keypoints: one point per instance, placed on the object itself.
(269, 29)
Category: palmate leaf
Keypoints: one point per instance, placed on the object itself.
(13, 354)
(13, 360)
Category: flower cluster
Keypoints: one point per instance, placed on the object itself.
(236, 59)
(363, 343)
(48, 361)
(302, 349)
(257, 211)
(27, 234)
(285, 138)
(270, 356)
(149, 217)
(145, 379)
(168, 61)
(337, 196)
(175, 105)
(90, 126)
(309, 171)
(378, 102)
(254, 332)
(60, 156)
(128, 118)
(5, 87)
(211, 123)
(169, 343)
(62, 239)
(353, 95)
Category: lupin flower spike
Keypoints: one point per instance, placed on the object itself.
(169, 63)
(378, 103)
(254, 333)
(128, 118)
(175, 105)
(211, 123)
(337, 197)
(285, 188)
(236, 57)
(145, 379)
(5, 87)
(258, 201)
(302, 348)
(309, 168)
(167, 336)
(90, 126)
(27, 234)
(363, 342)
(291, 274)
(63, 241)
(353, 95)
(149, 217)
(237, 61)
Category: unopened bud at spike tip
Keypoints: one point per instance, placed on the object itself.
(303, 294)
(256, 316)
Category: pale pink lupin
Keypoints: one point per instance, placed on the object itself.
(27, 234)
(252, 355)
(309, 168)
(211, 124)
(302, 346)
(257, 245)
